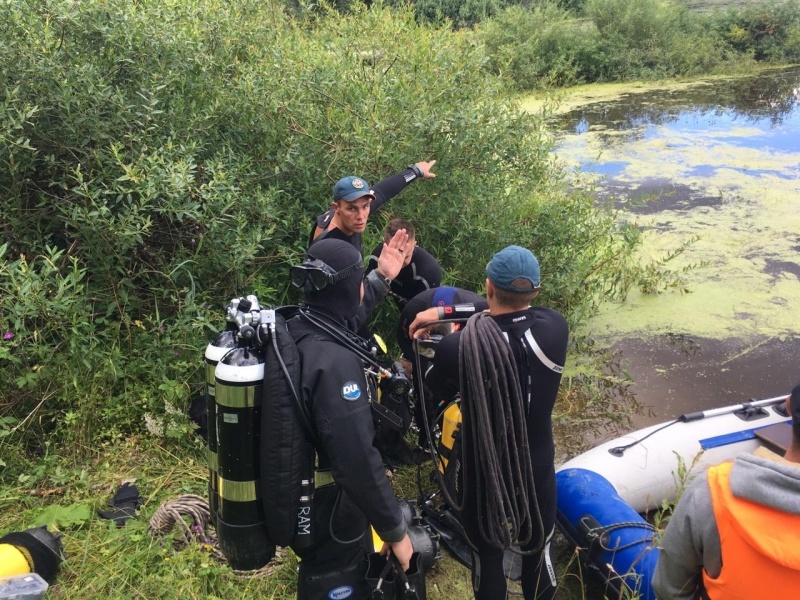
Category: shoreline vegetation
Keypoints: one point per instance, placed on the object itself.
(557, 101)
(160, 158)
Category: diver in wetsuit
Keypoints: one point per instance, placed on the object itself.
(352, 490)
(346, 220)
(538, 338)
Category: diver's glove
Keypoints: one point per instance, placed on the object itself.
(124, 505)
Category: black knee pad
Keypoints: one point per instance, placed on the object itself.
(345, 583)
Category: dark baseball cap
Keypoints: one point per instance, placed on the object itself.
(512, 263)
(351, 188)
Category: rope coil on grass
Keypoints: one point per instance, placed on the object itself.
(198, 530)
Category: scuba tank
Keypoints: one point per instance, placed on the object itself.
(216, 349)
(239, 377)
(263, 482)
(451, 432)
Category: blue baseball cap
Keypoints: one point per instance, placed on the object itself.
(351, 188)
(513, 263)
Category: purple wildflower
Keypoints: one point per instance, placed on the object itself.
(8, 335)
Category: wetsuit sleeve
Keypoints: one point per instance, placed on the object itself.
(322, 222)
(375, 289)
(388, 188)
(418, 303)
(372, 261)
(442, 377)
(343, 419)
(690, 544)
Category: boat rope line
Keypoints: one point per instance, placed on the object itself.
(495, 438)
(620, 450)
(596, 534)
(752, 405)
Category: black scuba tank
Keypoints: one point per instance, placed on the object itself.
(241, 526)
(223, 343)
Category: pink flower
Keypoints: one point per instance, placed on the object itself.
(8, 335)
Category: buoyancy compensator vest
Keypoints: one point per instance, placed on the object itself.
(287, 449)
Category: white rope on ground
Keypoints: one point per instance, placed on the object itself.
(199, 530)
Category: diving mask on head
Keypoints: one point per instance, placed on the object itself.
(316, 275)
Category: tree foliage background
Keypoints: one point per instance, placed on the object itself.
(159, 158)
(554, 43)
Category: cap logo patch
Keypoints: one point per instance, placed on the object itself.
(351, 391)
(358, 184)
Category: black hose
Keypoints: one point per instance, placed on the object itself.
(495, 437)
(429, 432)
(340, 334)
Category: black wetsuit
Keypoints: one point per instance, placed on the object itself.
(548, 328)
(384, 191)
(360, 494)
(422, 273)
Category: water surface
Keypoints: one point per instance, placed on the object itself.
(718, 160)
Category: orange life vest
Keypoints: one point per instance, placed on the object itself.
(760, 549)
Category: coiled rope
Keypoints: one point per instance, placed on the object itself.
(197, 529)
(496, 437)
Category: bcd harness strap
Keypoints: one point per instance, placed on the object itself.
(541, 355)
(556, 368)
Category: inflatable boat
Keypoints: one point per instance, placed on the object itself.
(605, 494)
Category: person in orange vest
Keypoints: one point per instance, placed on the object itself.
(734, 532)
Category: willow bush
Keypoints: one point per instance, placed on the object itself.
(159, 158)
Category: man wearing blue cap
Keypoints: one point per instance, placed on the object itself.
(354, 201)
(538, 338)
